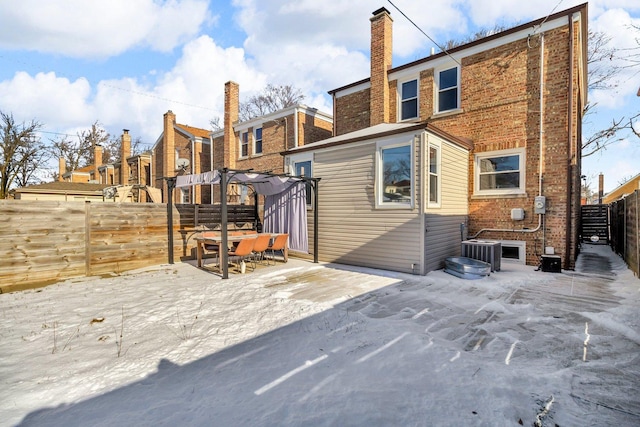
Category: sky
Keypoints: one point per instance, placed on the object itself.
(303, 344)
(124, 63)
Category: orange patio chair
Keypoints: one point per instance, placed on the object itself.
(242, 251)
(279, 244)
(260, 247)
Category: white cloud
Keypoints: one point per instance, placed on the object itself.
(51, 100)
(80, 28)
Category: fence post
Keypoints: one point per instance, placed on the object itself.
(87, 238)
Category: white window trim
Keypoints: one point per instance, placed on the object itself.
(399, 90)
(506, 191)
(255, 140)
(240, 156)
(522, 251)
(291, 166)
(379, 185)
(436, 103)
(438, 148)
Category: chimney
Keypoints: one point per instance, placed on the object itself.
(97, 161)
(125, 152)
(231, 114)
(600, 188)
(62, 166)
(381, 57)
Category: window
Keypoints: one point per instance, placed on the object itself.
(500, 172)
(395, 176)
(514, 251)
(447, 89)
(434, 176)
(303, 168)
(409, 100)
(244, 144)
(184, 195)
(257, 145)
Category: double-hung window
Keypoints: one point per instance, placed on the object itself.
(244, 144)
(257, 138)
(409, 100)
(448, 82)
(434, 176)
(500, 172)
(394, 174)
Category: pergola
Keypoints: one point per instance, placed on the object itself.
(265, 183)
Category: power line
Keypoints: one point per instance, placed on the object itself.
(425, 34)
(70, 78)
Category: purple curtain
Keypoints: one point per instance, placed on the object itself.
(286, 212)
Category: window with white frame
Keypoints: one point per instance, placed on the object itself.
(303, 167)
(184, 195)
(448, 82)
(434, 176)
(500, 172)
(257, 141)
(244, 144)
(514, 251)
(394, 174)
(409, 100)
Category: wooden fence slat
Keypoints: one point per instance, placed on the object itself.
(47, 241)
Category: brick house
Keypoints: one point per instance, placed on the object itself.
(135, 172)
(253, 144)
(491, 130)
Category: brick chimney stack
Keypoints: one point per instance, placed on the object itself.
(231, 115)
(97, 161)
(124, 153)
(62, 167)
(600, 188)
(381, 62)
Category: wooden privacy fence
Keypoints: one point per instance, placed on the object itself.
(47, 241)
(625, 235)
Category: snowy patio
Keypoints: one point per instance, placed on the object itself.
(318, 344)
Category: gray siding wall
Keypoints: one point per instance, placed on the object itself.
(352, 230)
(443, 236)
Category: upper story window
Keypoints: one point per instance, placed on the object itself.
(500, 172)
(448, 82)
(394, 175)
(184, 195)
(409, 100)
(257, 138)
(244, 144)
(434, 176)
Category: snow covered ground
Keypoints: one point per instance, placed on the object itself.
(318, 344)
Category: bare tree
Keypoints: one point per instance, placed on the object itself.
(605, 62)
(19, 149)
(272, 98)
(80, 153)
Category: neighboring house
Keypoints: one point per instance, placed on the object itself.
(62, 191)
(131, 178)
(623, 190)
(253, 144)
(488, 135)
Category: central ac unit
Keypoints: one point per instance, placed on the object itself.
(489, 251)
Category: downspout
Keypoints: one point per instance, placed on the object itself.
(568, 233)
(541, 141)
(211, 166)
(193, 157)
(422, 165)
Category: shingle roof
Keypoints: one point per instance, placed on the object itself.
(63, 186)
(201, 133)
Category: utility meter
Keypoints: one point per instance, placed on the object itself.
(540, 205)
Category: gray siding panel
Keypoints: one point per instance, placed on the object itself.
(443, 239)
(352, 230)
